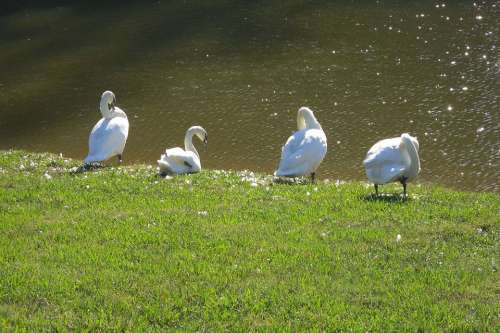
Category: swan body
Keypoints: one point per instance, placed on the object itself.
(109, 135)
(304, 151)
(393, 160)
(177, 160)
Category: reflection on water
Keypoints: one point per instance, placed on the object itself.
(370, 69)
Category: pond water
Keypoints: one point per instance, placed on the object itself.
(241, 69)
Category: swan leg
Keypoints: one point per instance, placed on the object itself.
(403, 182)
(120, 158)
(376, 189)
(313, 176)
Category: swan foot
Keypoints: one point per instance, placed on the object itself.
(120, 160)
(376, 189)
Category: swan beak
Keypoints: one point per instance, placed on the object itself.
(205, 141)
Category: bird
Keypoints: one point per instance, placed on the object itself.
(393, 160)
(109, 135)
(177, 160)
(304, 151)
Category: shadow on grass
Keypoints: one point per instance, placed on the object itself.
(385, 197)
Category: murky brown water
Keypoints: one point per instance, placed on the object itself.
(370, 70)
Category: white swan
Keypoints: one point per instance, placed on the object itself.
(305, 149)
(177, 160)
(109, 135)
(393, 160)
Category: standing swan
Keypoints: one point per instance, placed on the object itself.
(305, 149)
(178, 160)
(393, 160)
(109, 135)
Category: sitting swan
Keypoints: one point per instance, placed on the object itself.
(178, 160)
(393, 160)
(305, 149)
(109, 135)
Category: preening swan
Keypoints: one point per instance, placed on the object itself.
(187, 160)
(393, 160)
(109, 135)
(305, 149)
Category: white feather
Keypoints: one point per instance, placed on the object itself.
(109, 135)
(304, 151)
(177, 160)
(390, 160)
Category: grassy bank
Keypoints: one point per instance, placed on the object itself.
(123, 249)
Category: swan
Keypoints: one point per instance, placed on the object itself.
(177, 160)
(109, 135)
(305, 149)
(393, 160)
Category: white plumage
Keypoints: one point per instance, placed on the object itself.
(109, 135)
(393, 160)
(177, 160)
(305, 149)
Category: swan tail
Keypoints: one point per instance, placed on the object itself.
(279, 173)
(163, 164)
(92, 159)
(289, 172)
(370, 162)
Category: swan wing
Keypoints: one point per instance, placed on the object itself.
(385, 161)
(384, 151)
(303, 153)
(107, 139)
(292, 144)
(177, 160)
(385, 173)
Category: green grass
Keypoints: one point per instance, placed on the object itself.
(123, 249)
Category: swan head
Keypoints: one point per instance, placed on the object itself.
(413, 139)
(200, 133)
(306, 119)
(107, 105)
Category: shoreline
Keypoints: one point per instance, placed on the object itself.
(141, 164)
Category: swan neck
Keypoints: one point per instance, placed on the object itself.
(105, 111)
(301, 122)
(188, 143)
(305, 120)
(414, 157)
